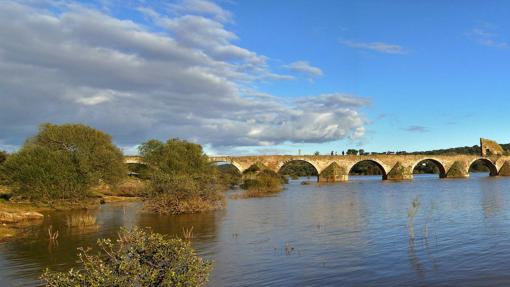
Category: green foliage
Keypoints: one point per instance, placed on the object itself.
(479, 166)
(3, 156)
(138, 170)
(181, 179)
(452, 151)
(298, 168)
(254, 168)
(265, 182)
(366, 168)
(63, 162)
(426, 167)
(137, 258)
(230, 175)
(352, 152)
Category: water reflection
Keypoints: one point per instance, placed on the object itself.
(348, 234)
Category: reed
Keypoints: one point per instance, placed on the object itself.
(411, 214)
(187, 233)
(52, 235)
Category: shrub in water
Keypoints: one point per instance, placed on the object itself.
(181, 179)
(137, 258)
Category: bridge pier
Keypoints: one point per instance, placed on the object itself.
(334, 178)
(400, 172)
(459, 169)
(505, 169)
(334, 173)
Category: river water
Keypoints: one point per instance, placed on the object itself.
(345, 234)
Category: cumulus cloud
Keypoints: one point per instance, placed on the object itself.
(187, 79)
(380, 47)
(305, 68)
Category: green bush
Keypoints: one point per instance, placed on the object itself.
(230, 175)
(63, 162)
(265, 182)
(137, 258)
(3, 156)
(181, 179)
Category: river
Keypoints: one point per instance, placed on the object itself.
(345, 234)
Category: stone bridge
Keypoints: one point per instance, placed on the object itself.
(393, 167)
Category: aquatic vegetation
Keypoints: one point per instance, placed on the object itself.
(137, 258)
(187, 233)
(265, 182)
(181, 178)
(52, 235)
(411, 213)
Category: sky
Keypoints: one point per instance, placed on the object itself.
(259, 77)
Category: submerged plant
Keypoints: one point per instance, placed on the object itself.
(411, 213)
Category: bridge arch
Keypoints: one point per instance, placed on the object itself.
(493, 170)
(221, 162)
(285, 164)
(375, 162)
(436, 162)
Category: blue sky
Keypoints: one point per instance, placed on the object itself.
(260, 76)
(449, 80)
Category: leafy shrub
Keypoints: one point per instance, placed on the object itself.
(3, 156)
(181, 179)
(230, 175)
(265, 182)
(63, 162)
(137, 258)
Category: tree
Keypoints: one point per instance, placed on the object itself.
(137, 258)
(352, 152)
(63, 162)
(3, 156)
(181, 178)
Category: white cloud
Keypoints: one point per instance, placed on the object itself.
(305, 68)
(203, 7)
(380, 47)
(485, 35)
(189, 81)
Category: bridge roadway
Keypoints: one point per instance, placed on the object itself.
(393, 167)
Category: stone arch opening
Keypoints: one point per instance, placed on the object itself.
(368, 168)
(483, 165)
(295, 169)
(430, 166)
(229, 173)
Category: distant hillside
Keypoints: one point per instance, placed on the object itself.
(459, 150)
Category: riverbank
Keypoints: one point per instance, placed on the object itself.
(16, 216)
